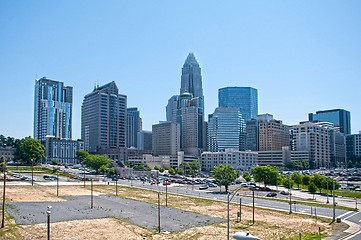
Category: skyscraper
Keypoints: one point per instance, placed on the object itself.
(190, 119)
(52, 109)
(171, 109)
(245, 98)
(191, 80)
(226, 129)
(339, 117)
(134, 125)
(104, 115)
(166, 138)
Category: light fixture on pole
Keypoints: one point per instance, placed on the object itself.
(48, 212)
(32, 172)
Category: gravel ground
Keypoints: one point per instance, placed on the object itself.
(137, 212)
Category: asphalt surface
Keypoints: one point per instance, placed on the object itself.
(137, 212)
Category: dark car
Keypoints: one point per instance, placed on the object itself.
(271, 194)
(203, 187)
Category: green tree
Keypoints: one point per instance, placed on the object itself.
(161, 170)
(156, 167)
(318, 180)
(297, 178)
(224, 175)
(286, 182)
(265, 174)
(195, 166)
(185, 166)
(247, 176)
(4, 164)
(81, 155)
(171, 171)
(54, 162)
(27, 149)
(103, 169)
(111, 171)
(312, 189)
(96, 161)
(306, 180)
(179, 171)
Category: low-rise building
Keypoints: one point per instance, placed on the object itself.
(281, 157)
(7, 152)
(62, 150)
(239, 160)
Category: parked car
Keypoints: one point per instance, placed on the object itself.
(271, 194)
(203, 187)
(285, 192)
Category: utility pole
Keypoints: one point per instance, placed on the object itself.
(240, 209)
(116, 186)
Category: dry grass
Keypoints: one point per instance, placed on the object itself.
(269, 224)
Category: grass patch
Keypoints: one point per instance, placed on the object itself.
(38, 169)
(309, 203)
(306, 236)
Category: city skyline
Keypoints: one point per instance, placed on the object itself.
(300, 61)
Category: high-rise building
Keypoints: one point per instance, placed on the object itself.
(272, 134)
(353, 146)
(252, 131)
(104, 116)
(166, 138)
(314, 138)
(226, 129)
(52, 109)
(191, 80)
(144, 140)
(171, 109)
(190, 119)
(340, 118)
(134, 125)
(245, 98)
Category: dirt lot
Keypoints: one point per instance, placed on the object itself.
(269, 224)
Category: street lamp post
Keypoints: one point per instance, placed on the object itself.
(48, 212)
(334, 203)
(3, 217)
(84, 174)
(327, 191)
(91, 194)
(290, 195)
(57, 185)
(116, 186)
(166, 194)
(32, 172)
(159, 211)
(228, 200)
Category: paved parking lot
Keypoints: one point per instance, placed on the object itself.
(137, 212)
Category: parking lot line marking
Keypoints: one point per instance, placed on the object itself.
(350, 216)
(342, 215)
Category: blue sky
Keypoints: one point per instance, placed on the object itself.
(302, 56)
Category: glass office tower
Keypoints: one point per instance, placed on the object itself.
(245, 98)
(134, 125)
(226, 129)
(52, 109)
(339, 117)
